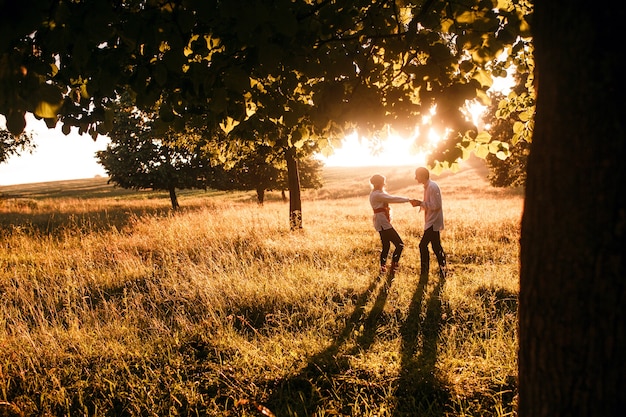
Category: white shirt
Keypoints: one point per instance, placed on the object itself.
(380, 199)
(432, 206)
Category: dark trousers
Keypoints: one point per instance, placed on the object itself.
(387, 237)
(434, 239)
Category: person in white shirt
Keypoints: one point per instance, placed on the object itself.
(433, 222)
(380, 200)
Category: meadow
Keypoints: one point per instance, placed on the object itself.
(112, 305)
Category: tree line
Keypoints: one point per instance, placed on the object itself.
(139, 156)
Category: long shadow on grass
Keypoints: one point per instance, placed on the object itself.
(319, 381)
(418, 392)
(326, 380)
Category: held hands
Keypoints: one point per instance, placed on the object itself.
(415, 203)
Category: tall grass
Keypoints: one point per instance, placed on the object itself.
(112, 305)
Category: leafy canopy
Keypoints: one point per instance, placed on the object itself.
(313, 68)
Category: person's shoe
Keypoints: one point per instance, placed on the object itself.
(394, 267)
(383, 269)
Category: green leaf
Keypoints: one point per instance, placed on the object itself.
(16, 123)
(165, 113)
(483, 137)
(228, 125)
(482, 151)
(446, 24)
(525, 115)
(236, 79)
(160, 74)
(483, 97)
(50, 122)
(47, 110)
(483, 77)
(502, 155)
(466, 17)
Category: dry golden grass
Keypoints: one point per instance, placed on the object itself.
(112, 305)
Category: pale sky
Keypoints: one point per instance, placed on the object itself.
(57, 157)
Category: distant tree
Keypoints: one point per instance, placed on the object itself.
(141, 156)
(13, 145)
(262, 168)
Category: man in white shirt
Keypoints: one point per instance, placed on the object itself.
(433, 222)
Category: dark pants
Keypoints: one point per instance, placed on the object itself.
(387, 237)
(433, 238)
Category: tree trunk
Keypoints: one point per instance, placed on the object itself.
(293, 179)
(260, 195)
(173, 198)
(572, 302)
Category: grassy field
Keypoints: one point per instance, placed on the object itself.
(112, 305)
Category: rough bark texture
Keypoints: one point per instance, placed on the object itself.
(572, 326)
(295, 202)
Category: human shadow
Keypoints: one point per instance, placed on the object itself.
(367, 335)
(417, 388)
(302, 394)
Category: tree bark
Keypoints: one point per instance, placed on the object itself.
(173, 198)
(293, 179)
(572, 302)
(260, 195)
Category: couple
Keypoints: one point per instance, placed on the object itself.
(433, 222)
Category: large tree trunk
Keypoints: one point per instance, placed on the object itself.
(572, 303)
(293, 178)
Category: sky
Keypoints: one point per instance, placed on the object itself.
(56, 157)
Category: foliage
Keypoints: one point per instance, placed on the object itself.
(314, 67)
(13, 145)
(262, 168)
(510, 120)
(141, 156)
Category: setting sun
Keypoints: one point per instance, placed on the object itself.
(395, 150)
(391, 151)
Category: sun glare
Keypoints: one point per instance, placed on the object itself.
(395, 150)
(392, 151)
